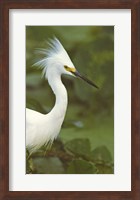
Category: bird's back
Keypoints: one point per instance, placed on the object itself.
(32, 116)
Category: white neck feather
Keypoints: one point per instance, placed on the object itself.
(59, 110)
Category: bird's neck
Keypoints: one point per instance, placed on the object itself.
(60, 92)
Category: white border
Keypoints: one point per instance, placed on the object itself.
(121, 180)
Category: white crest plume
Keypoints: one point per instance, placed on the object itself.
(55, 53)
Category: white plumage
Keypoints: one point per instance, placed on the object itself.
(42, 129)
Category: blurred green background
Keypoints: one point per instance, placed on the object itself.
(90, 113)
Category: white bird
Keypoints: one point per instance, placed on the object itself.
(42, 129)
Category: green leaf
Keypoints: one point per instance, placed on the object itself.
(80, 147)
(79, 166)
(101, 154)
(51, 165)
(105, 169)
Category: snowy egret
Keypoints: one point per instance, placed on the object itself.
(42, 129)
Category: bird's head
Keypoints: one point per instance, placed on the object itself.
(57, 61)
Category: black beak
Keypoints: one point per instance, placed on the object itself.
(76, 73)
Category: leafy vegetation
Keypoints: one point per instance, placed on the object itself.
(86, 143)
(73, 157)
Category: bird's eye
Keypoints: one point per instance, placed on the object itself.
(66, 67)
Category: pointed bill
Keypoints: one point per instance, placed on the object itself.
(76, 73)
